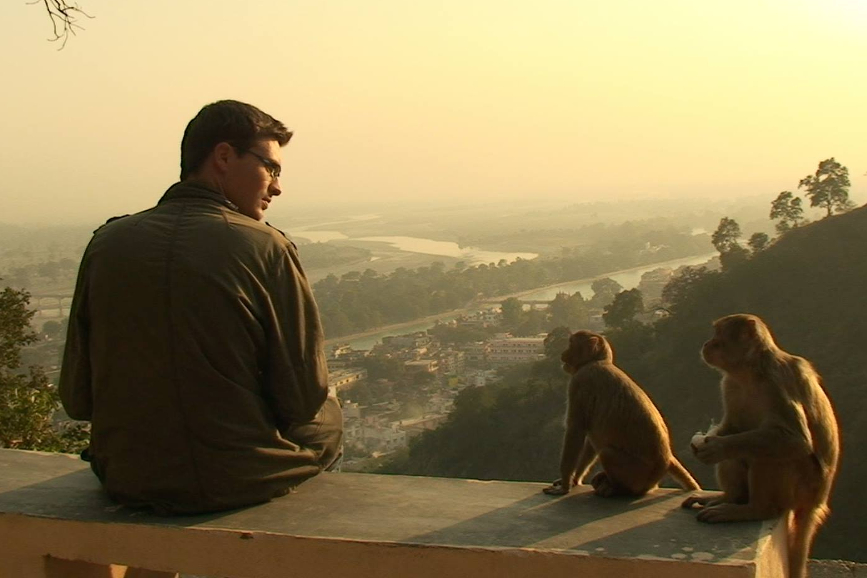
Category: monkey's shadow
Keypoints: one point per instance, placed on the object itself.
(651, 525)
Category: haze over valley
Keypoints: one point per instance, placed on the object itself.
(467, 183)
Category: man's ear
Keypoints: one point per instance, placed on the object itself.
(222, 154)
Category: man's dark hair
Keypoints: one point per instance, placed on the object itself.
(237, 123)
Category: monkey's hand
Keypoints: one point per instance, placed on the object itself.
(557, 488)
(702, 500)
(712, 451)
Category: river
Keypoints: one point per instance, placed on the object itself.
(471, 255)
(628, 278)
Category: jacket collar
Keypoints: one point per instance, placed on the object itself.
(195, 190)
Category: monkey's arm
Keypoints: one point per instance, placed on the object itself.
(574, 440)
(585, 461)
(575, 443)
(782, 437)
(576, 458)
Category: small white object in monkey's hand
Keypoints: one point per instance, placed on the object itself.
(700, 438)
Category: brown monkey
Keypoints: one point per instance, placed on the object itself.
(610, 418)
(777, 447)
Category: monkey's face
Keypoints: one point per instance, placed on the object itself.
(711, 351)
(584, 347)
(730, 345)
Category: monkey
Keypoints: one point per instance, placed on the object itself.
(609, 418)
(777, 448)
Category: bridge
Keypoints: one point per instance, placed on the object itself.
(530, 302)
(46, 302)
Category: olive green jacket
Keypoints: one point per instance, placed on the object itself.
(193, 340)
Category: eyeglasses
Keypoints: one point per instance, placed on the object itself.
(270, 166)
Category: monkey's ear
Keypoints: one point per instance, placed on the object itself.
(597, 347)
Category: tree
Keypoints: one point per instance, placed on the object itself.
(759, 242)
(685, 289)
(829, 187)
(52, 329)
(532, 323)
(512, 309)
(64, 18)
(556, 342)
(604, 291)
(787, 208)
(568, 311)
(28, 401)
(50, 269)
(621, 312)
(725, 238)
(734, 256)
(382, 367)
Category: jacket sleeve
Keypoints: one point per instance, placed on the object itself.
(296, 375)
(75, 385)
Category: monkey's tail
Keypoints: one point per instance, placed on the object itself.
(802, 530)
(681, 475)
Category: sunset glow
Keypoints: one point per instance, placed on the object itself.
(449, 100)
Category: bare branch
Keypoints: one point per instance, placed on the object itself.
(64, 18)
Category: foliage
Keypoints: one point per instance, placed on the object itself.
(563, 311)
(492, 432)
(532, 323)
(28, 401)
(759, 242)
(556, 342)
(604, 291)
(64, 18)
(512, 310)
(621, 312)
(51, 270)
(828, 187)
(369, 392)
(382, 367)
(725, 238)
(808, 286)
(787, 208)
(358, 301)
(733, 257)
(569, 310)
(460, 334)
(14, 327)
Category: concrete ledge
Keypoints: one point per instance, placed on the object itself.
(364, 525)
(836, 569)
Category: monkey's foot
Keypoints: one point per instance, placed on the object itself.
(728, 512)
(604, 487)
(557, 488)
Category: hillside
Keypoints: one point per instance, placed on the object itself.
(810, 288)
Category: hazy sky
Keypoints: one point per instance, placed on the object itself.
(458, 99)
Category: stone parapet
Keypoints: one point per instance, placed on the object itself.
(52, 512)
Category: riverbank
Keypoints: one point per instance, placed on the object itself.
(671, 263)
(396, 328)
